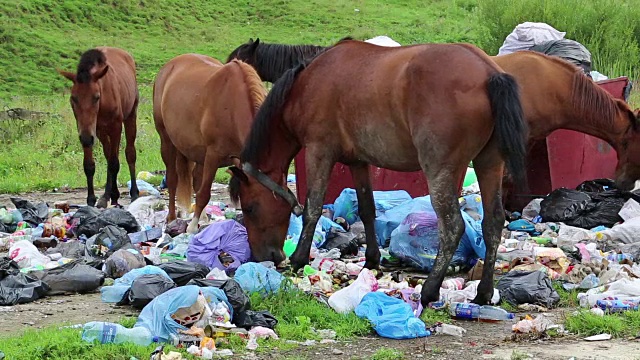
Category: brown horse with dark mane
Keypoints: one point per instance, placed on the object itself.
(203, 111)
(104, 96)
(401, 109)
(555, 94)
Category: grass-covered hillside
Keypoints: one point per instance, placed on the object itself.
(38, 36)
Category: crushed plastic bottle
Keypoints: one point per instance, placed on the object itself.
(617, 305)
(109, 333)
(452, 330)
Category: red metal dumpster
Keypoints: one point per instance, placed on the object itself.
(564, 159)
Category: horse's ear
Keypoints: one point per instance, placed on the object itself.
(237, 173)
(257, 41)
(69, 75)
(100, 73)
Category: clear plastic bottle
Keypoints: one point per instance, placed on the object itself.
(452, 330)
(494, 313)
(109, 333)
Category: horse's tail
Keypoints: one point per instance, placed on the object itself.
(510, 125)
(184, 190)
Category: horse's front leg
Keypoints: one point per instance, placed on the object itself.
(89, 165)
(319, 167)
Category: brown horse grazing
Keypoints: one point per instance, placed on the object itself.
(397, 108)
(104, 96)
(203, 111)
(272, 60)
(556, 94)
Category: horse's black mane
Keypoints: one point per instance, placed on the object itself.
(272, 60)
(87, 62)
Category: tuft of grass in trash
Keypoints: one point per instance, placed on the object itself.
(586, 323)
(299, 313)
(60, 344)
(508, 307)
(388, 354)
(432, 316)
(128, 321)
(517, 355)
(567, 298)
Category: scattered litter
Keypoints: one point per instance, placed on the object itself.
(599, 337)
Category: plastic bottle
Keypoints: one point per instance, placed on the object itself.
(472, 311)
(452, 330)
(108, 333)
(617, 305)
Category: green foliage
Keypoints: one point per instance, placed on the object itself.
(608, 28)
(38, 36)
(388, 354)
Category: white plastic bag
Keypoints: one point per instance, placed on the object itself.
(528, 34)
(569, 236)
(467, 294)
(217, 274)
(346, 300)
(25, 254)
(630, 210)
(383, 41)
(627, 232)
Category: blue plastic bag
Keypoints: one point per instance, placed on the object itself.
(115, 293)
(346, 205)
(391, 219)
(254, 277)
(323, 227)
(156, 316)
(391, 318)
(145, 188)
(472, 242)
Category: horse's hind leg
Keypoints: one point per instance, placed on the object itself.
(443, 188)
(211, 162)
(367, 211)
(489, 169)
(168, 152)
(319, 166)
(130, 132)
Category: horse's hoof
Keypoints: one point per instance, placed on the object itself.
(192, 228)
(91, 201)
(102, 203)
(297, 264)
(429, 295)
(481, 299)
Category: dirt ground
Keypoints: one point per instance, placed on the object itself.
(482, 340)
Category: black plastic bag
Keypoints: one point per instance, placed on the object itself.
(522, 287)
(73, 277)
(147, 287)
(89, 221)
(16, 287)
(183, 271)
(237, 298)
(72, 249)
(176, 227)
(123, 261)
(597, 185)
(345, 242)
(110, 237)
(565, 204)
(248, 319)
(34, 215)
(604, 213)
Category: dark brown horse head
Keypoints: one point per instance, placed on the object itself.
(266, 207)
(85, 93)
(246, 52)
(628, 171)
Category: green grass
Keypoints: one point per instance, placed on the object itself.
(298, 314)
(38, 36)
(585, 323)
(56, 344)
(568, 299)
(388, 354)
(432, 316)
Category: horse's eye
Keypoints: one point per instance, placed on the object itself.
(96, 97)
(74, 99)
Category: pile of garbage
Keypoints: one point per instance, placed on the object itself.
(192, 289)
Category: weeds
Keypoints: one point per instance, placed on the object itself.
(388, 354)
(586, 323)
